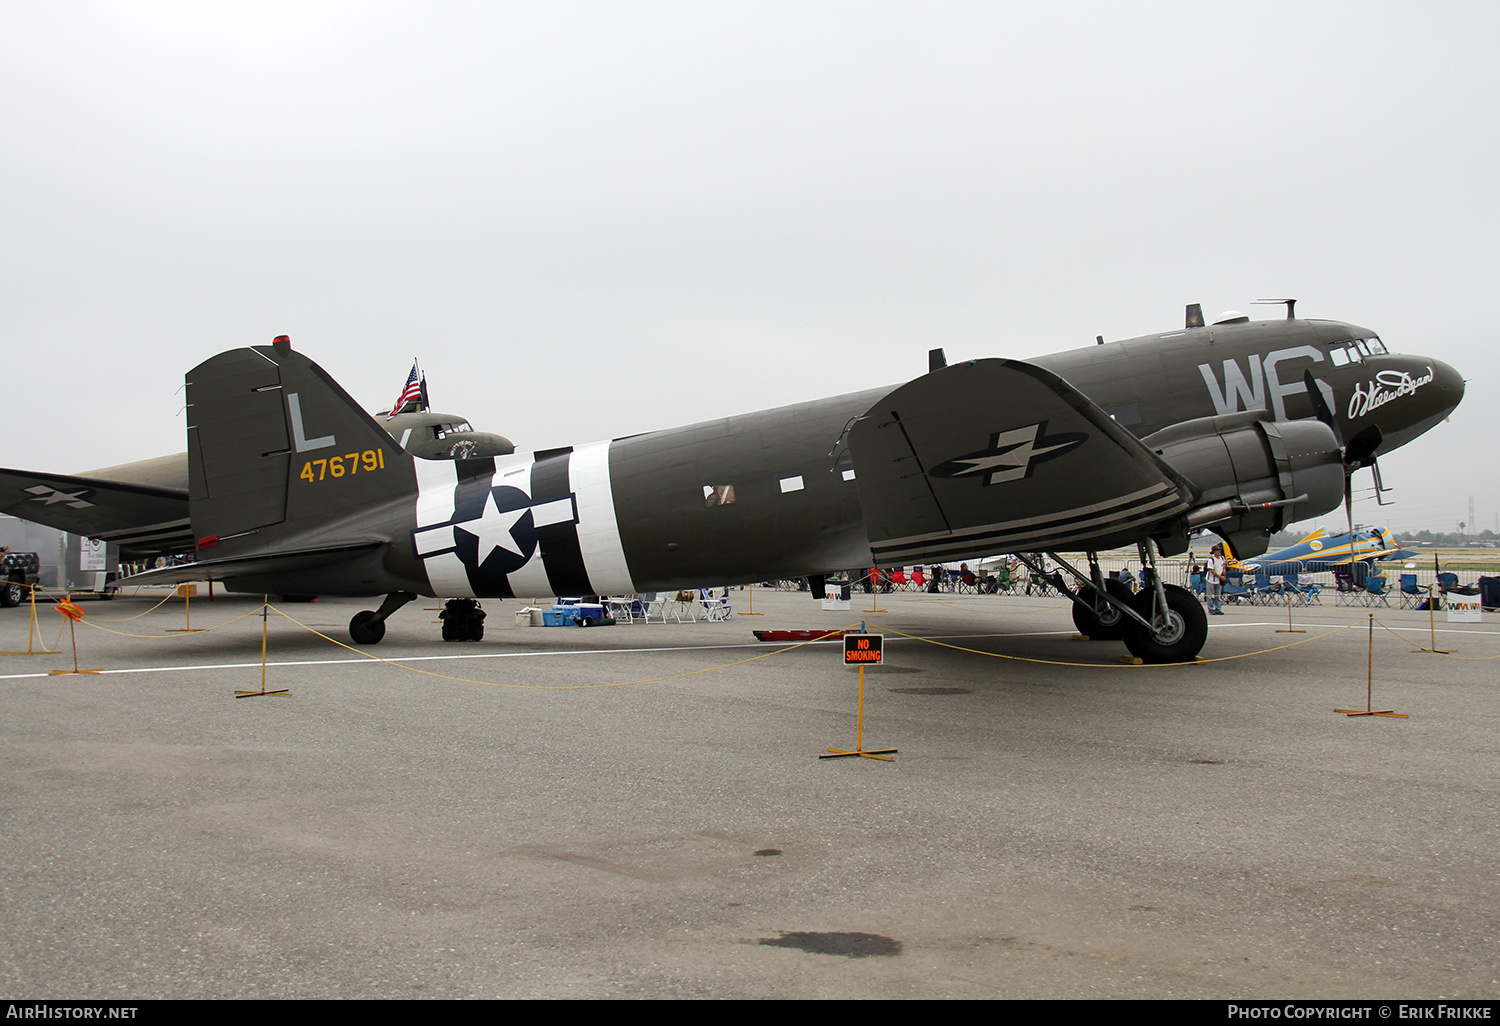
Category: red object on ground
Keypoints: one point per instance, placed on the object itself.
(803, 635)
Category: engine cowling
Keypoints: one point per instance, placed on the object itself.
(1253, 475)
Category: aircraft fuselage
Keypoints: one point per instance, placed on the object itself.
(775, 494)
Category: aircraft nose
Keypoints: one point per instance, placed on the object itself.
(1450, 385)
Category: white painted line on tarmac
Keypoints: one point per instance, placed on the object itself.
(761, 645)
(1423, 628)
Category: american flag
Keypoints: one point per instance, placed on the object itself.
(410, 392)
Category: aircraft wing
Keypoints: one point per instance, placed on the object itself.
(996, 456)
(289, 561)
(146, 519)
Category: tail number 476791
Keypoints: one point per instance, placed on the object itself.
(337, 466)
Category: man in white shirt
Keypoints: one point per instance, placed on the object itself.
(1214, 577)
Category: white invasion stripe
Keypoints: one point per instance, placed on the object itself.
(437, 482)
(433, 539)
(558, 511)
(531, 579)
(598, 531)
(448, 576)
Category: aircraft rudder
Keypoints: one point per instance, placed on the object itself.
(341, 461)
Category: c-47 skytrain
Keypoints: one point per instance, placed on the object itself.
(290, 487)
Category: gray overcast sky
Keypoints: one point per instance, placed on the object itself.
(589, 219)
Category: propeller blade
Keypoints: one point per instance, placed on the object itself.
(1320, 406)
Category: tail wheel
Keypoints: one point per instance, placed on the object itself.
(367, 628)
(1107, 624)
(1175, 637)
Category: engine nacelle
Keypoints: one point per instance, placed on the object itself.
(1253, 475)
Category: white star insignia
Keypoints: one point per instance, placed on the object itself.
(48, 496)
(492, 529)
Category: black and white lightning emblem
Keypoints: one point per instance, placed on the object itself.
(1012, 455)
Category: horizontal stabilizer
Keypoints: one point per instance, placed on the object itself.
(994, 456)
(252, 566)
(145, 519)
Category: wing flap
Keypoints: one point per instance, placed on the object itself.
(996, 456)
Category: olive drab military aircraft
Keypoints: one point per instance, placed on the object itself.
(1234, 426)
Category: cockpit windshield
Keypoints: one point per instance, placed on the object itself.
(1355, 350)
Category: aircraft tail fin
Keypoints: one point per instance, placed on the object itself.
(278, 454)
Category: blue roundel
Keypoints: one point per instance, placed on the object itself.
(493, 530)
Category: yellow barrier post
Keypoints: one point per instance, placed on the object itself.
(1289, 628)
(186, 591)
(1370, 685)
(1432, 624)
(265, 611)
(71, 612)
(751, 610)
(31, 630)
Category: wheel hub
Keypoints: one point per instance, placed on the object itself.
(1169, 628)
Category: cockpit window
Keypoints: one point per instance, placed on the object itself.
(443, 430)
(1343, 353)
(1355, 350)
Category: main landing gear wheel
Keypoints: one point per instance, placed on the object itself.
(1105, 625)
(367, 628)
(1178, 637)
(463, 620)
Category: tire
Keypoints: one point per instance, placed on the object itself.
(1110, 626)
(11, 594)
(1184, 635)
(463, 620)
(463, 629)
(366, 628)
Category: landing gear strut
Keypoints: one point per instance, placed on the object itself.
(1161, 623)
(1170, 625)
(368, 627)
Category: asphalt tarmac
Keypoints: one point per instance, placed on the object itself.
(638, 811)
